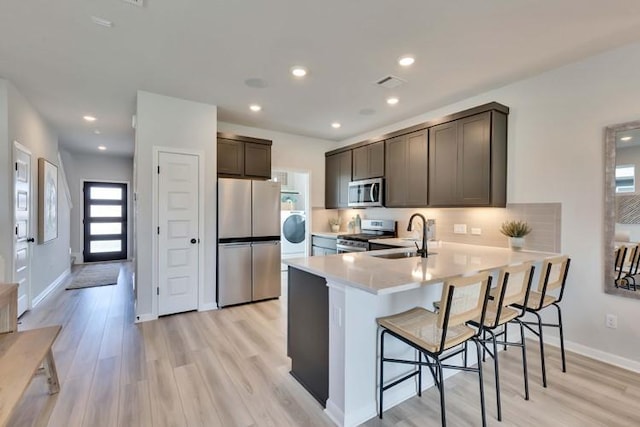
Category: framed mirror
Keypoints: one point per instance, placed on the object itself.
(622, 210)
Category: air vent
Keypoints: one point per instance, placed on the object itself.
(390, 82)
(139, 3)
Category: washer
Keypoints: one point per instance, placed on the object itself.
(294, 239)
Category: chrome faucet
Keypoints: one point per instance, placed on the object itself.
(423, 252)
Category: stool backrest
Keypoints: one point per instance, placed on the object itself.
(553, 275)
(620, 255)
(634, 259)
(514, 284)
(464, 299)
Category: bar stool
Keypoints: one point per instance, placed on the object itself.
(431, 334)
(552, 276)
(514, 285)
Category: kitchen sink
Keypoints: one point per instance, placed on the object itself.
(397, 255)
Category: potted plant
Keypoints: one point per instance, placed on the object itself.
(335, 224)
(515, 231)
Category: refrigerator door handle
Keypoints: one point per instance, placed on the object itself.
(228, 245)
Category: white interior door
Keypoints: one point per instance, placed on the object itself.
(178, 233)
(22, 231)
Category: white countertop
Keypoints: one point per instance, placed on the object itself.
(385, 276)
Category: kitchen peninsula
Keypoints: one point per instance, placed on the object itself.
(333, 305)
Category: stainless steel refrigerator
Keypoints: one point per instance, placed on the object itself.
(248, 240)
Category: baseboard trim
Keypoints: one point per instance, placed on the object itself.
(38, 299)
(78, 257)
(208, 306)
(592, 353)
(334, 413)
(145, 317)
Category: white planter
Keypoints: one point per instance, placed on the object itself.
(516, 243)
(335, 228)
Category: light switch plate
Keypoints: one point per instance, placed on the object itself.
(460, 228)
(476, 231)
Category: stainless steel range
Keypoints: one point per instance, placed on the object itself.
(371, 229)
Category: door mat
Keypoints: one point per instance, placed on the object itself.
(95, 275)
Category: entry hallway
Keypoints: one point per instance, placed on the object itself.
(229, 368)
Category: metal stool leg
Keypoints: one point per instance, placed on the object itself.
(497, 374)
(381, 373)
(540, 337)
(564, 362)
(481, 381)
(524, 362)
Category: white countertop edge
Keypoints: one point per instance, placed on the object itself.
(390, 289)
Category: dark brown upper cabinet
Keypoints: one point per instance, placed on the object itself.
(468, 160)
(244, 157)
(337, 177)
(406, 165)
(368, 161)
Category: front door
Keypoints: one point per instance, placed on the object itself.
(105, 221)
(178, 232)
(22, 231)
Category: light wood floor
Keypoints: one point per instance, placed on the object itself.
(229, 368)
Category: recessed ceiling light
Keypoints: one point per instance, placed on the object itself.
(335, 125)
(625, 138)
(101, 147)
(392, 101)
(102, 22)
(89, 118)
(255, 107)
(405, 61)
(299, 71)
(97, 132)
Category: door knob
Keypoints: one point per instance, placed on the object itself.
(193, 241)
(31, 240)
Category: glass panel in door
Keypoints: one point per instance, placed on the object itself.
(105, 221)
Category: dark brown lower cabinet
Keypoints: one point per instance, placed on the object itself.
(308, 332)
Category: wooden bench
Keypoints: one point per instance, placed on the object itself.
(22, 354)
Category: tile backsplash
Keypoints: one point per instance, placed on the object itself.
(544, 219)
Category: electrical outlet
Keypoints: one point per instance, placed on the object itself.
(460, 228)
(611, 321)
(476, 231)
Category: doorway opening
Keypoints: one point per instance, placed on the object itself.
(105, 221)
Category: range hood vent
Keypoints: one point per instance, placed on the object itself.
(390, 82)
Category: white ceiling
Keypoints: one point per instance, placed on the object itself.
(204, 50)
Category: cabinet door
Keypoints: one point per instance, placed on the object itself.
(396, 177)
(230, 157)
(337, 178)
(368, 161)
(443, 164)
(417, 167)
(376, 159)
(360, 163)
(331, 181)
(474, 160)
(257, 160)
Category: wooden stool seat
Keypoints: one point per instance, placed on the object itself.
(420, 326)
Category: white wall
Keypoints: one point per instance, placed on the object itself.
(50, 260)
(81, 167)
(556, 154)
(170, 122)
(292, 152)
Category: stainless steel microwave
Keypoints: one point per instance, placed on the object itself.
(366, 193)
